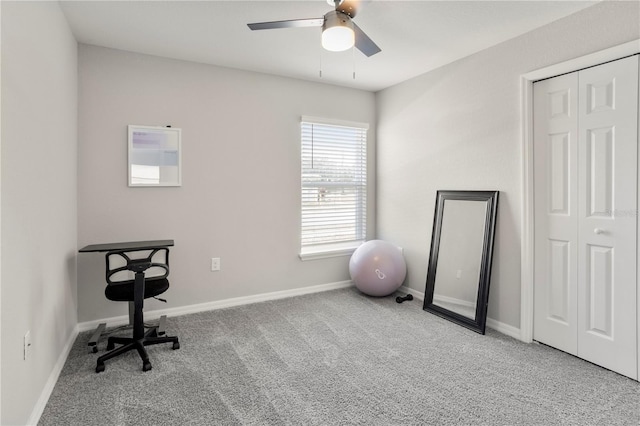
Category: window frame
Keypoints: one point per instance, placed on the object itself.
(342, 248)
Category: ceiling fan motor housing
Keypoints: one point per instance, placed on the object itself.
(349, 7)
(337, 31)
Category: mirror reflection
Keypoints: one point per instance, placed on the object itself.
(458, 272)
(461, 253)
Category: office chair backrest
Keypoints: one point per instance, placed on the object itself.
(121, 264)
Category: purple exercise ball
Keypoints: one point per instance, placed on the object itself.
(377, 268)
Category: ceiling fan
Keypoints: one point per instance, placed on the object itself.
(339, 32)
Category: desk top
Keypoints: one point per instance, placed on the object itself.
(131, 245)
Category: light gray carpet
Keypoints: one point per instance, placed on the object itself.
(337, 358)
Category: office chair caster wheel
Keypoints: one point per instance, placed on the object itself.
(99, 368)
(176, 345)
(146, 366)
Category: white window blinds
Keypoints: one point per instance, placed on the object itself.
(334, 183)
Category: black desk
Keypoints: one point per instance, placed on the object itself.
(131, 245)
(128, 246)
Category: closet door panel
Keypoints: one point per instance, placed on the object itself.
(607, 215)
(555, 151)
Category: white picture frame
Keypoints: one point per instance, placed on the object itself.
(154, 156)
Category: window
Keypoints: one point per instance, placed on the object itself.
(334, 186)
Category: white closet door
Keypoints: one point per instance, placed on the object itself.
(607, 215)
(556, 213)
(586, 221)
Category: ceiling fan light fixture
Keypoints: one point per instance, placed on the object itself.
(337, 32)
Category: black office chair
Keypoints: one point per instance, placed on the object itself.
(150, 269)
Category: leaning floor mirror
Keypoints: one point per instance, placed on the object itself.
(461, 254)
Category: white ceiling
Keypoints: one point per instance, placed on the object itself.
(415, 36)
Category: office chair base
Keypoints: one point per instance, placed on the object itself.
(150, 338)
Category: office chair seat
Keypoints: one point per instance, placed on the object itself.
(123, 292)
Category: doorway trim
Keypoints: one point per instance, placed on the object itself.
(526, 128)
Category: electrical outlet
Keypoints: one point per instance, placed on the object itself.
(215, 264)
(27, 345)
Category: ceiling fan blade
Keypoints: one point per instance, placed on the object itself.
(364, 43)
(294, 23)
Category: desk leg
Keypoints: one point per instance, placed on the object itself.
(162, 325)
(93, 341)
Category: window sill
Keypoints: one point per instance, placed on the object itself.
(329, 250)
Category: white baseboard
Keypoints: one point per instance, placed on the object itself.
(503, 328)
(498, 326)
(218, 304)
(38, 409)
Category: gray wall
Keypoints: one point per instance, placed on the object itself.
(240, 194)
(39, 198)
(458, 127)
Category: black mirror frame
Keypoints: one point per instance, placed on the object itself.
(491, 197)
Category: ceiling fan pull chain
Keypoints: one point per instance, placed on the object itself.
(320, 63)
(353, 51)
